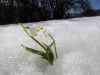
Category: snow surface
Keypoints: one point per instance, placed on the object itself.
(78, 46)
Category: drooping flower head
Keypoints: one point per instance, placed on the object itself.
(34, 30)
(45, 32)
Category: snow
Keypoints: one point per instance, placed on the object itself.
(78, 46)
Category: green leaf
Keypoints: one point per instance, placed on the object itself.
(34, 51)
(51, 44)
(44, 55)
(49, 52)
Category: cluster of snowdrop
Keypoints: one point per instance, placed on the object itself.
(36, 30)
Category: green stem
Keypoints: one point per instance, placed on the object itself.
(38, 43)
(24, 29)
(54, 46)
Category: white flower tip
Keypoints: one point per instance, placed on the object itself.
(39, 26)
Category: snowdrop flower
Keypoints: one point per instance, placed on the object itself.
(34, 29)
(45, 32)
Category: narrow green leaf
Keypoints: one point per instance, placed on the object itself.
(34, 51)
(48, 58)
(49, 52)
(44, 55)
(38, 42)
(51, 44)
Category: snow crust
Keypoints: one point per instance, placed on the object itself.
(78, 46)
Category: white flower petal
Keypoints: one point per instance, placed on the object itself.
(48, 32)
(40, 27)
(45, 32)
(33, 30)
